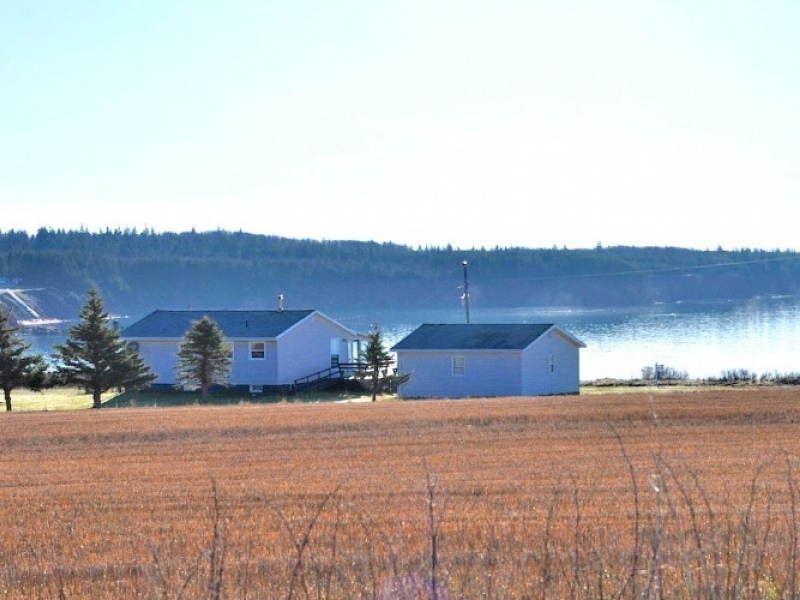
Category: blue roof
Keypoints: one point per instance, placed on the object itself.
(168, 324)
(475, 337)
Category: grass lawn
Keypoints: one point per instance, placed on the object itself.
(71, 398)
(66, 398)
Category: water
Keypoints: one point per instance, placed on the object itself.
(702, 339)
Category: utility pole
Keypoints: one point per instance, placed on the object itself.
(465, 296)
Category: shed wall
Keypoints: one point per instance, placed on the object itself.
(537, 377)
(485, 374)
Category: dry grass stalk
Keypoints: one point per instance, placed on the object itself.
(534, 498)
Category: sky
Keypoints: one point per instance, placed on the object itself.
(424, 122)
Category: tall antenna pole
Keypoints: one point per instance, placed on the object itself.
(465, 296)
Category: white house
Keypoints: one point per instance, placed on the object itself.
(272, 350)
(457, 361)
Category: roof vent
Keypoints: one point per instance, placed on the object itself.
(280, 302)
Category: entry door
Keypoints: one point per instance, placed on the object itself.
(335, 351)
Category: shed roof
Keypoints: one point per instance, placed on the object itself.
(168, 324)
(477, 336)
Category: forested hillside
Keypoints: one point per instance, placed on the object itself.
(137, 272)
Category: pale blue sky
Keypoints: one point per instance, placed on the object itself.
(528, 123)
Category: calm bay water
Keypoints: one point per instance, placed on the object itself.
(702, 339)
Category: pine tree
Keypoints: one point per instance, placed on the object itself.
(203, 359)
(94, 357)
(376, 358)
(17, 367)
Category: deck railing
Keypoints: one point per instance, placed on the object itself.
(338, 371)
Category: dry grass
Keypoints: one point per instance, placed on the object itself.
(629, 495)
(60, 398)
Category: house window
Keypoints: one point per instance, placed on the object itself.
(459, 365)
(551, 363)
(256, 389)
(228, 347)
(258, 350)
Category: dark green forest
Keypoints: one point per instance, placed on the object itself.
(137, 272)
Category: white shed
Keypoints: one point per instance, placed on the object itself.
(272, 350)
(457, 361)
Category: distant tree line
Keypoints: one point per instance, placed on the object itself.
(138, 271)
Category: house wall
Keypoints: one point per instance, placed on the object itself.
(495, 373)
(306, 348)
(161, 357)
(250, 371)
(538, 379)
(300, 351)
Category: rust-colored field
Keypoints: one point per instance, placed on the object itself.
(679, 495)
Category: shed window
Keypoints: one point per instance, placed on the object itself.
(256, 389)
(551, 363)
(258, 350)
(459, 365)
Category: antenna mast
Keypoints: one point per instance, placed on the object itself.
(465, 295)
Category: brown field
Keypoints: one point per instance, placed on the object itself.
(683, 495)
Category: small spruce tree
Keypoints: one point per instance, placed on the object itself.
(203, 359)
(376, 358)
(18, 368)
(96, 358)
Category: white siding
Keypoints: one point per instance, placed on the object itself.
(300, 351)
(538, 379)
(494, 373)
(161, 357)
(306, 348)
(247, 371)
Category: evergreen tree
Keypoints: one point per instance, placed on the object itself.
(203, 359)
(377, 359)
(94, 357)
(17, 367)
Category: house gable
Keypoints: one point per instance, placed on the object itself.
(316, 315)
(551, 364)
